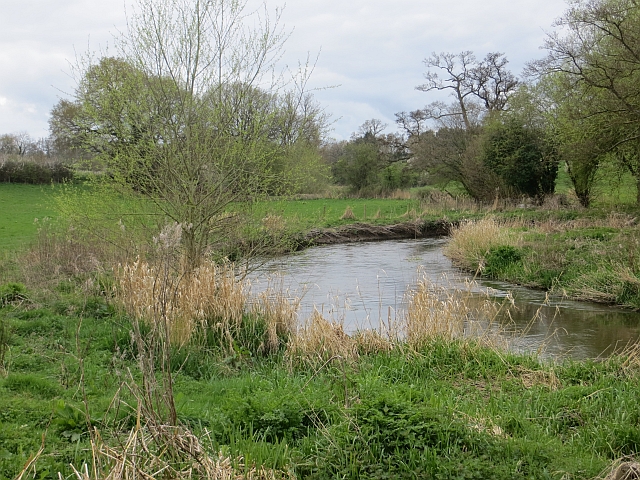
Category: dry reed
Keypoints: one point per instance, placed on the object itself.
(471, 241)
(320, 340)
(280, 314)
(152, 452)
(445, 312)
(348, 214)
(209, 296)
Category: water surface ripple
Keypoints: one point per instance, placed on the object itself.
(363, 284)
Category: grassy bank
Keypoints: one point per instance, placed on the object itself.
(22, 209)
(321, 406)
(593, 259)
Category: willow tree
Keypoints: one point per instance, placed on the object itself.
(596, 54)
(192, 113)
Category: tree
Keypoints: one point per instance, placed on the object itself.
(469, 82)
(192, 114)
(520, 155)
(596, 58)
(478, 89)
(20, 144)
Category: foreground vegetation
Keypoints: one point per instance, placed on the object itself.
(99, 363)
(315, 404)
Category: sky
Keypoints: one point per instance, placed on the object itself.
(371, 52)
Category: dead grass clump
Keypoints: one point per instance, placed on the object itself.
(280, 315)
(371, 342)
(624, 469)
(56, 254)
(400, 195)
(161, 451)
(442, 312)
(410, 214)
(631, 359)
(471, 241)
(211, 294)
(377, 215)
(320, 341)
(348, 214)
(534, 378)
(273, 223)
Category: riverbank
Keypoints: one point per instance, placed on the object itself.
(589, 259)
(321, 405)
(364, 232)
(254, 397)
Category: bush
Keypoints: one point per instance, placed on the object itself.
(500, 259)
(12, 292)
(12, 171)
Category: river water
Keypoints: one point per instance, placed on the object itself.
(363, 285)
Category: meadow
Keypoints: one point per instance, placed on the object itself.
(133, 371)
(22, 209)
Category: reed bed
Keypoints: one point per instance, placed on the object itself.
(319, 341)
(444, 312)
(472, 240)
(211, 297)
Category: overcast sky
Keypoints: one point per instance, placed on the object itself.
(372, 49)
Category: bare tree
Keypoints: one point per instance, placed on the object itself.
(453, 72)
(469, 81)
(372, 128)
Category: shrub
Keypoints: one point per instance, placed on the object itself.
(12, 292)
(500, 259)
(34, 173)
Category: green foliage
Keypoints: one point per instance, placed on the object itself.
(500, 260)
(71, 421)
(359, 166)
(192, 132)
(25, 171)
(520, 156)
(434, 413)
(593, 64)
(31, 384)
(12, 292)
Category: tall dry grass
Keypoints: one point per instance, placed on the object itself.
(444, 312)
(209, 295)
(471, 241)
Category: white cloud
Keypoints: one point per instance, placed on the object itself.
(372, 48)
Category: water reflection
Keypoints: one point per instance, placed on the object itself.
(363, 286)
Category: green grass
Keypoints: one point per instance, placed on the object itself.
(325, 213)
(20, 206)
(450, 410)
(597, 259)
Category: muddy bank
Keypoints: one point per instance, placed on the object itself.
(363, 232)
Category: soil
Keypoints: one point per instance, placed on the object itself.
(363, 232)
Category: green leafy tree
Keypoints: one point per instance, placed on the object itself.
(521, 157)
(192, 115)
(595, 57)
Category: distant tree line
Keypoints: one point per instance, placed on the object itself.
(500, 135)
(25, 160)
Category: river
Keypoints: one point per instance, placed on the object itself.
(362, 285)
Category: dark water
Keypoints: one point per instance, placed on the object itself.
(363, 285)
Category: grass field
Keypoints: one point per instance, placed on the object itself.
(20, 206)
(316, 403)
